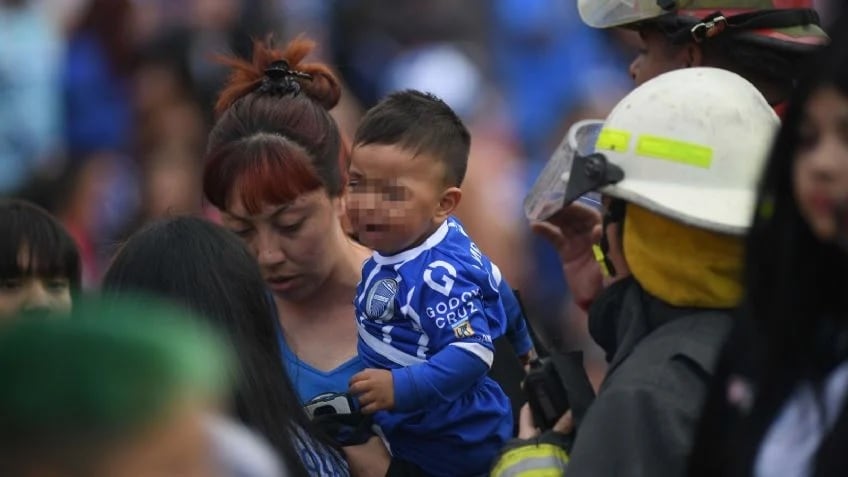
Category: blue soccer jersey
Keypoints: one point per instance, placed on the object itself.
(429, 314)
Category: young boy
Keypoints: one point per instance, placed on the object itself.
(428, 305)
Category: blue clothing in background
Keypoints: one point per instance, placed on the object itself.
(98, 110)
(429, 315)
(30, 93)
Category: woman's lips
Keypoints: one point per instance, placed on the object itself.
(822, 203)
(281, 284)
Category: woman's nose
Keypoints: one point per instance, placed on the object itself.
(37, 296)
(268, 250)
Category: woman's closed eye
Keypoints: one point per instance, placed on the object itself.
(289, 228)
(58, 284)
(242, 231)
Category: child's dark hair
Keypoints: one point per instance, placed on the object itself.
(30, 229)
(421, 123)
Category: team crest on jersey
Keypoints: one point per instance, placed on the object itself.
(463, 329)
(380, 302)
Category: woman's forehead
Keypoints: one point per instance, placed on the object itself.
(30, 264)
(305, 201)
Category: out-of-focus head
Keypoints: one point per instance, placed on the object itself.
(199, 264)
(39, 262)
(796, 251)
(821, 163)
(807, 176)
(819, 139)
(275, 165)
(409, 158)
(121, 389)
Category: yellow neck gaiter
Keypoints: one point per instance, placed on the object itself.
(682, 265)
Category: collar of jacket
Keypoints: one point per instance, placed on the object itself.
(625, 313)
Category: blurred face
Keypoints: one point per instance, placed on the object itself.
(32, 292)
(297, 244)
(657, 56)
(395, 198)
(821, 164)
(178, 446)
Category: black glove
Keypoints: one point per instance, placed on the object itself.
(346, 429)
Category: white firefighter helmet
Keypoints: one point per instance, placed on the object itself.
(688, 145)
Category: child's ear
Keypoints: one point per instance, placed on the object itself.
(449, 202)
(693, 55)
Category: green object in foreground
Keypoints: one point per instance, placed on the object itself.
(106, 372)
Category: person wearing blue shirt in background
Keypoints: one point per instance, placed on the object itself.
(428, 307)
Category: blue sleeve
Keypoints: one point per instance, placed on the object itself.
(445, 377)
(517, 331)
(455, 317)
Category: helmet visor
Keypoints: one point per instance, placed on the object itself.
(547, 196)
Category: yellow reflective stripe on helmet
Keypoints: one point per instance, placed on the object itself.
(675, 151)
(613, 140)
(542, 460)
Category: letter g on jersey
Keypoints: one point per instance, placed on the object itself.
(444, 273)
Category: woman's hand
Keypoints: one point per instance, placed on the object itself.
(368, 460)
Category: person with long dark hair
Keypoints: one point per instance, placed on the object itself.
(39, 262)
(778, 404)
(206, 268)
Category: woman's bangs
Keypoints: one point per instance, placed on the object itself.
(34, 249)
(261, 172)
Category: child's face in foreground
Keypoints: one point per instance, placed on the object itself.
(28, 291)
(394, 196)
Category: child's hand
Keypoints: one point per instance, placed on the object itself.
(375, 390)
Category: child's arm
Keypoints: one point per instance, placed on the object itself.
(448, 307)
(447, 375)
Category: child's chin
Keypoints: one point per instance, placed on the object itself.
(373, 240)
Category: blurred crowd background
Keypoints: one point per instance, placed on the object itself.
(105, 105)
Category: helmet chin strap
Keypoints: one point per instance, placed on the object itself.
(613, 215)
